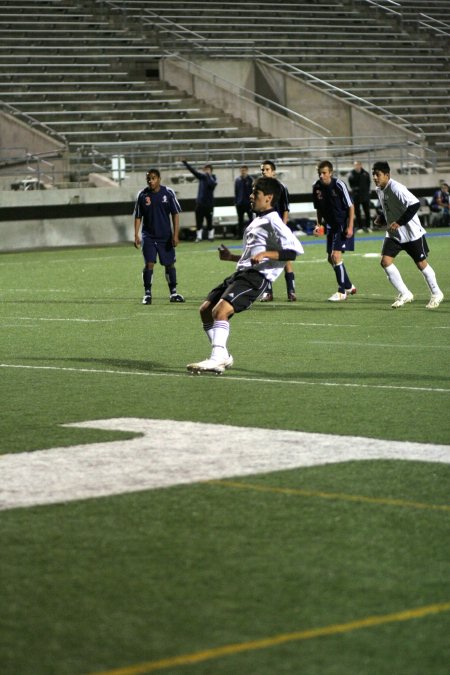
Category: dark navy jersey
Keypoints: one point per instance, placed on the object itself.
(283, 201)
(443, 196)
(206, 185)
(333, 202)
(155, 209)
(243, 186)
(359, 182)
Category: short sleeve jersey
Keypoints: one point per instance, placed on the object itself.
(155, 209)
(333, 202)
(267, 232)
(394, 200)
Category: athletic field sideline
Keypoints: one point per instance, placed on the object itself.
(288, 516)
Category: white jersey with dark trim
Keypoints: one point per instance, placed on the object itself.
(267, 232)
(394, 200)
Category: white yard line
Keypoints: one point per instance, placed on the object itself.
(41, 318)
(227, 378)
(169, 452)
(383, 345)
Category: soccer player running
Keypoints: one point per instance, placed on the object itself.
(404, 233)
(267, 244)
(335, 208)
(156, 205)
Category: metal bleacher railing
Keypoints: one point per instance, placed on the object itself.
(225, 152)
(428, 14)
(97, 149)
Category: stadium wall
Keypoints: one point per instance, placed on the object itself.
(17, 138)
(228, 84)
(104, 216)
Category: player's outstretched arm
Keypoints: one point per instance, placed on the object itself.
(225, 254)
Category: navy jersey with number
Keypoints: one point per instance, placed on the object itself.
(155, 209)
(333, 202)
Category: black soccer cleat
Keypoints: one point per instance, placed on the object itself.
(176, 297)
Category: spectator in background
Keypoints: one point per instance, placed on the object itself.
(268, 169)
(440, 206)
(243, 186)
(335, 209)
(359, 181)
(204, 206)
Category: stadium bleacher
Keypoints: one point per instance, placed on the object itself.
(88, 69)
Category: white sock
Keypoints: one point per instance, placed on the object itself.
(430, 278)
(208, 328)
(396, 280)
(221, 331)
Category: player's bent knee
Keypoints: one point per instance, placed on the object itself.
(205, 310)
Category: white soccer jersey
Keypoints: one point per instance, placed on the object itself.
(394, 200)
(267, 232)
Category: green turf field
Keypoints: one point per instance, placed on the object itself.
(340, 569)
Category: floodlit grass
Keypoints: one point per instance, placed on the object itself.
(101, 584)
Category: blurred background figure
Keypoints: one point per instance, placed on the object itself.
(243, 185)
(440, 206)
(359, 181)
(204, 205)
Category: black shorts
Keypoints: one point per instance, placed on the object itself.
(418, 249)
(337, 241)
(241, 289)
(155, 248)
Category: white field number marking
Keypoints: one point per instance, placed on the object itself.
(169, 453)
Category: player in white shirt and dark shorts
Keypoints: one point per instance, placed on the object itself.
(404, 233)
(267, 244)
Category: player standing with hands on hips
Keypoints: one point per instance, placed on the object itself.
(404, 233)
(335, 208)
(267, 244)
(155, 206)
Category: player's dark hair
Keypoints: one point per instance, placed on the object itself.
(268, 186)
(155, 171)
(381, 166)
(270, 163)
(208, 166)
(326, 164)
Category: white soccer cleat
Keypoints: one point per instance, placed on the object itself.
(228, 363)
(402, 299)
(208, 366)
(337, 297)
(435, 301)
